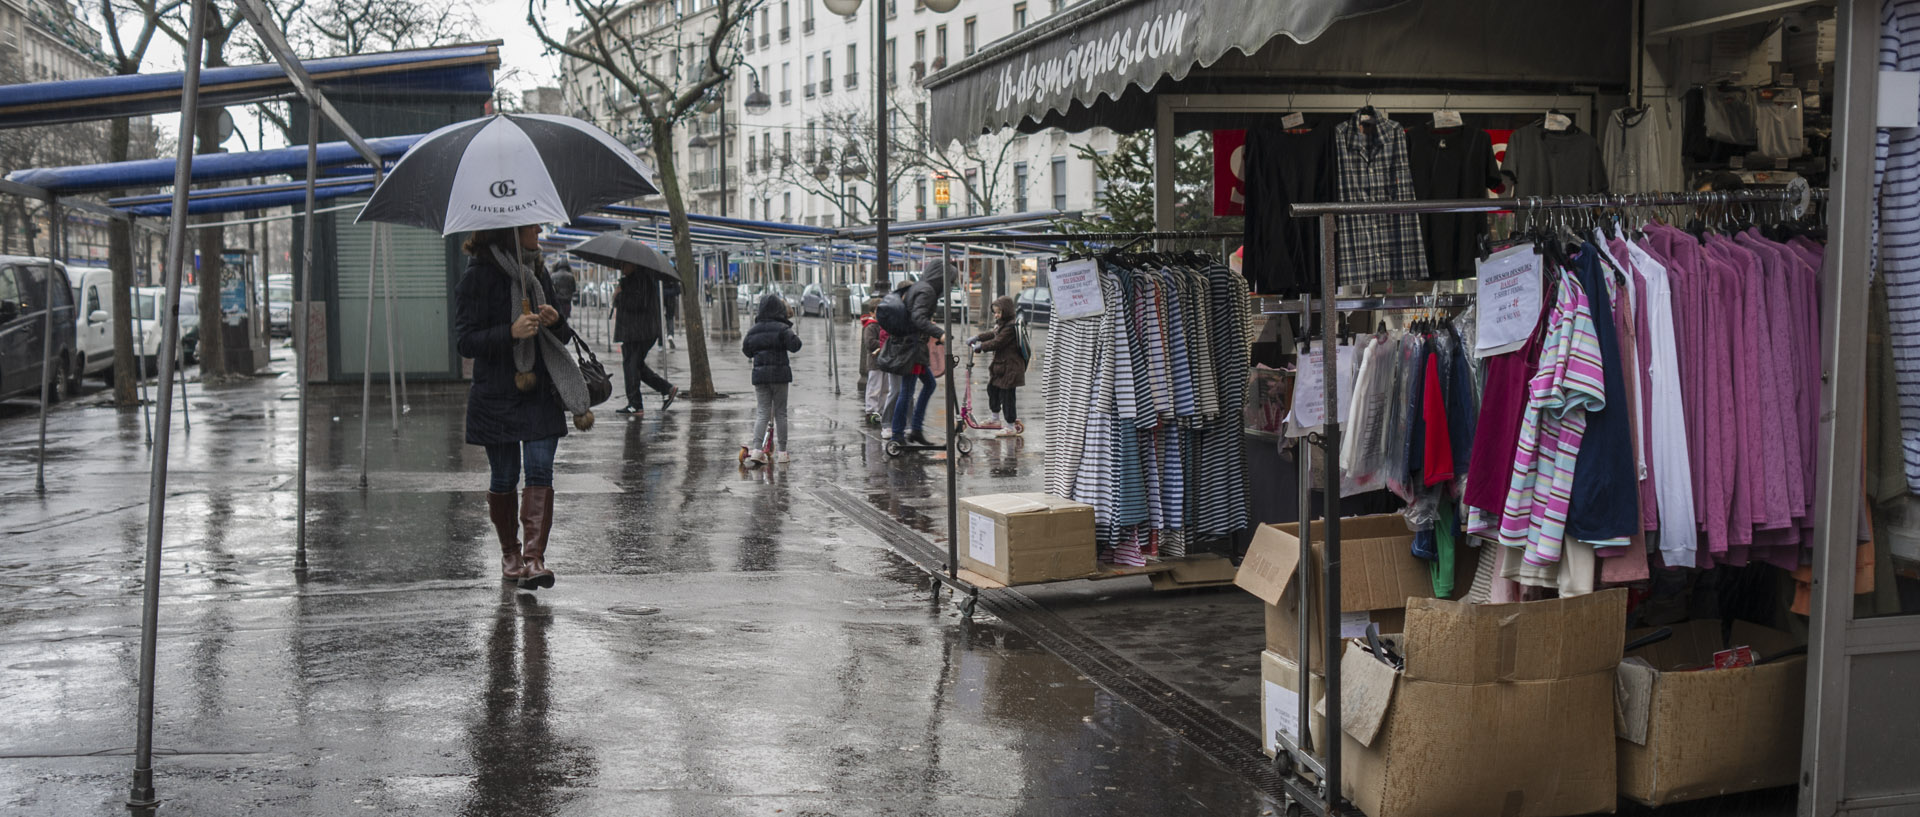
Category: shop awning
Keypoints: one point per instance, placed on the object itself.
(1101, 49)
(447, 70)
(212, 167)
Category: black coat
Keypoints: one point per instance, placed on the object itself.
(498, 411)
(769, 341)
(636, 310)
(905, 352)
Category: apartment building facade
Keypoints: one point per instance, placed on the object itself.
(808, 158)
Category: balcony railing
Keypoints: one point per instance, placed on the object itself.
(786, 33)
(852, 81)
(786, 97)
(709, 179)
(766, 39)
(807, 90)
(826, 85)
(806, 26)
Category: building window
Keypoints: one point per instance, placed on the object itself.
(1059, 182)
(826, 73)
(813, 145)
(1019, 187)
(809, 85)
(1019, 16)
(751, 153)
(786, 148)
(807, 24)
(920, 199)
(939, 47)
(893, 65)
(786, 206)
(920, 47)
(973, 181)
(1058, 5)
(969, 31)
(786, 21)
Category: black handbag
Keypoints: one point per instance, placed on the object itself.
(599, 385)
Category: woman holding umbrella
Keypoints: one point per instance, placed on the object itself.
(499, 178)
(506, 321)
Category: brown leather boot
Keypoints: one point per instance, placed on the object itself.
(504, 509)
(536, 520)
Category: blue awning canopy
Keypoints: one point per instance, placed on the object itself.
(461, 69)
(240, 199)
(212, 167)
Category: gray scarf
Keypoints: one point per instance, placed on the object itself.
(560, 365)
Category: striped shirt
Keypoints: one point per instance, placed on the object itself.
(1897, 178)
(1569, 382)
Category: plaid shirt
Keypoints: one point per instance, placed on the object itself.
(1373, 167)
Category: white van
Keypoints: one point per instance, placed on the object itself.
(93, 329)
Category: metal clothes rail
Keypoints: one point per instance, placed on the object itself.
(1325, 798)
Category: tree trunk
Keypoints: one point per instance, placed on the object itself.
(120, 259)
(212, 348)
(683, 263)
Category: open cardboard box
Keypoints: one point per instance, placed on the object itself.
(1378, 574)
(1684, 735)
(1027, 538)
(1280, 702)
(1501, 710)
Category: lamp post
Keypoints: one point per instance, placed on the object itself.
(882, 194)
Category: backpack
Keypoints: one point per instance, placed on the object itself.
(892, 315)
(1026, 346)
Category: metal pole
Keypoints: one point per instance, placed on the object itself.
(140, 363)
(142, 794)
(399, 338)
(46, 342)
(386, 277)
(1303, 570)
(300, 337)
(882, 192)
(1329, 497)
(953, 432)
(366, 364)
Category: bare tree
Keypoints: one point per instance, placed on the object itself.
(699, 56)
(989, 156)
(840, 156)
(130, 26)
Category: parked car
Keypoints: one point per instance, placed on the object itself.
(23, 328)
(1034, 305)
(279, 308)
(93, 322)
(790, 292)
(149, 305)
(748, 297)
(814, 301)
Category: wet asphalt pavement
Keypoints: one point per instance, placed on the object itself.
(722, 641)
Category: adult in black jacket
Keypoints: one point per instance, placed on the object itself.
(768, 343)
(636, 325)
(518, 416)
(906, 354)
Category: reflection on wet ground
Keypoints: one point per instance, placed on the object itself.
(720, 642)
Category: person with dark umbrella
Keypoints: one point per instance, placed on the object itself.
(636, 325)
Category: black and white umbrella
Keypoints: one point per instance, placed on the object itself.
(614, 249)
(507, 170)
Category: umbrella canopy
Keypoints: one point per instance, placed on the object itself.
(507, 170)
(614, 249)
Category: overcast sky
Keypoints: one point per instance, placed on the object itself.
(503, 20)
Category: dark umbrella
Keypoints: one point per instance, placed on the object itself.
(507, 170)
(614, 249)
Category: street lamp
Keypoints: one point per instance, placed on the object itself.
(882, 195)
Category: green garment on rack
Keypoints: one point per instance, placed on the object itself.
(1443, 538)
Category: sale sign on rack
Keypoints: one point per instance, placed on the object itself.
(1229, 181)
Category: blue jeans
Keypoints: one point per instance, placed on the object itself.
(904, 402)
(505, 459)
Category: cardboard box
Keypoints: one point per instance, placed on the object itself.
(1026, 538)
(1378, 574)
(1502, 710)
(1687, 735)
(1280, 701)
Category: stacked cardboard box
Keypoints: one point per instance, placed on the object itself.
(1498, 710)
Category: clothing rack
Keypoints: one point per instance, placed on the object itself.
(956, 443)
(1324, 799)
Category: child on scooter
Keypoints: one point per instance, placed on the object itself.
(1009, 368)
(768, 343)
(877, 386)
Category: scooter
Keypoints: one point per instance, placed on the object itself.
(766, 452)
(896, 447)
(966, 408)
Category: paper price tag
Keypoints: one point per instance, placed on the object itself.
(1076, 289)
(1354, 625)
(1293, 120)
(1283, 714)
(1510, 300)
(1310, 390)
(1446, 119)
(1558, 122)
(980, 536)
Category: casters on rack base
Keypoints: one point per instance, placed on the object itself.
(967, 607)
